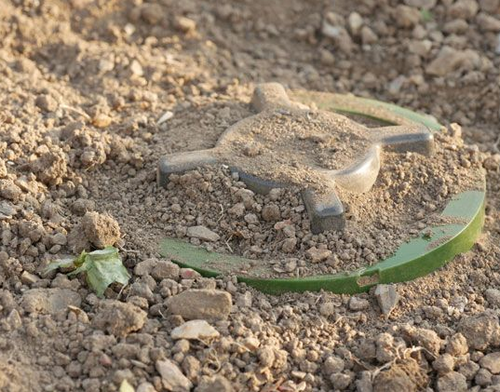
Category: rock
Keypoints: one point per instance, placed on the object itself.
(119, 318)
(332, 365)
(491, 362)
(493, 297)
(355, 22)
(421, 48)
(29, 278)
(488, 23)
(316, 255)
(341, 381)
(152, 13)
(327, 309)
(451, 382)
(404, 375)
(9, 190)
(406, 16)
(100, 230)
(489, 5)
(333, 29)
(483, 378)
(444, 364)
(46, 103)
(271, 212)
(481, 330)
(469, 370)
(457, 345)
(368, 37)
(425, 338)
(145, 387)
(51, 167)
(357, 304)
(289, 245)
(195, 329)
(165, 269)
(172, 377)
(456, 26)
(49, 301)
(422, 4)
(387, 297)
(449, 60)
(202, 233)
(463, 9)
(204, 304)
(7, 211)
(185, 25)
(145, 267)
(215, 383)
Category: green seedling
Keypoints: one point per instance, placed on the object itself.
(102, 267)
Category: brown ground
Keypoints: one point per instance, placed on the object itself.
(83, 85)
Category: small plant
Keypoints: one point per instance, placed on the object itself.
(102, 267)
(426, 15)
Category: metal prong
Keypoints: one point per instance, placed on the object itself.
(326, 212)
(361, 176)
(402, 138)
(256, 184)
(182, 162)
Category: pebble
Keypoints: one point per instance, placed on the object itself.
(457, 345)
(204, 304)
(451, 382)
(119, 318)
(493, 297)
(46, 103)
(357, 304)
(491, 362)
(195, 329)
(172, 378)
(481, 330)
(444, 364)
(464, 9)
(271, 212)
(316, 255)
(332, 365)
(185, 25)
(387, 297)
(215, 383)
(49, 301)
(202, 233)
(7, 211)
(449, 60)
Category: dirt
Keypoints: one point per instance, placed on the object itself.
(84, 84)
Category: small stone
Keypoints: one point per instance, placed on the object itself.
(195, 329)
(238, 210)
(493, 297)
(333, 365)
(185, 25)
(146, 387)
(119, 318)
(426, 338)
(251, 343)
(489, 5)
(58, 239)
(165, 269)
(483, 378)
(215, 383)
(357, 304)
(444, 364)
(101, 120)
(202, 233)
(387, 297)
(368, 37)
(452, 382)
(491, 362)
(327, 309)
(464, 9)
(3, 169)
(28, 278)
(289, 245)
(204, 304)
(100, 229)
(341, 381)
(152, 13)
(481, 330)
(488, 23)
(145, 267)
(469, 370)
(271, 212)
(449, 60)
(49, 301)
(316, 255)
(46, 103)
(457, 345)
(9, 190)
(355, 22)
(7, 211)
(172, 378)
(406, 16)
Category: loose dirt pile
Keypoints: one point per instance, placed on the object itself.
(83, 84)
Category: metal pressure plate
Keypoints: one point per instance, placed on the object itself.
(401, 130)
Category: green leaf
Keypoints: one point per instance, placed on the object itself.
(102, 267)
(426, 15)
